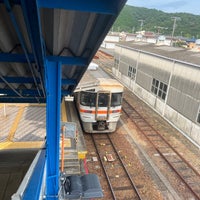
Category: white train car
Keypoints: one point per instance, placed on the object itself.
(99, 102)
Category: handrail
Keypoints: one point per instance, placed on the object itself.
(30, 188)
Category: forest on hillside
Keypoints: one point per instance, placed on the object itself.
(133, 19)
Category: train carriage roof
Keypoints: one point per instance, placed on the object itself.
(110, 85)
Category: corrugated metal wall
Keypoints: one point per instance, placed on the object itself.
(183, 87)
(158, 68)
(144, 80)
(117, 55)
(123, 67)
(184, 91)
(182, 103)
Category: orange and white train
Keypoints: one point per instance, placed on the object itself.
(100, 105)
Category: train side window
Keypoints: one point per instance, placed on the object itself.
(116, 99)
(198, 117)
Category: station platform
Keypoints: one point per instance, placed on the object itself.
(23, 126)
(22, 135)
(72, 116)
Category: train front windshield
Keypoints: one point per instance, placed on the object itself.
(116, 99)
(103, 100)
(89, 99)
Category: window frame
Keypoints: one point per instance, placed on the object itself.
(116, 63)
(131, 72)
(88, 98)
(116, 99)
(159, 89)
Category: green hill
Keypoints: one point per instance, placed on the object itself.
(130, 18)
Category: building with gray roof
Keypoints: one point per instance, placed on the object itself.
(166, 78)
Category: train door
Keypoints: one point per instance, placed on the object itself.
(102, 106)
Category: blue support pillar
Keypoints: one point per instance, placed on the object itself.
(53, 88)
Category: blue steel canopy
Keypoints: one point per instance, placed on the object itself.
(33, 32)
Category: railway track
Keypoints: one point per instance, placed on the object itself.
(118, 178)
(188, 176)
(104, 59)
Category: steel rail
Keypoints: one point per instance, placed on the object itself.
(172, 148)
(107, 178)
(122, 164)
(125, 169)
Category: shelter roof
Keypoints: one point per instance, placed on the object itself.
(34, 33)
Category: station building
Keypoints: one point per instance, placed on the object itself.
(166, 78)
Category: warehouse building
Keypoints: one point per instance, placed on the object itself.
(166, 78)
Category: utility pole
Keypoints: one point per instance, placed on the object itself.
(160, 28)
(133, 29)
(174, 26)
(141, 23)
(118, 28)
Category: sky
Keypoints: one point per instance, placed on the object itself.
(169, 6)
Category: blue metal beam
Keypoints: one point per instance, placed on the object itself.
(11, 87)
(78, 61)
(19, 80)
(18, 58)
(4, 99)
(20, 37)
(26, 80)
(53, 87)
(21, 58)
(32, 19)
(97, 6)
(26, 93)
(23, 92)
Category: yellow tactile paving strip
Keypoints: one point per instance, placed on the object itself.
(63, 111)
(10, 124)
(15, 124)
(21, 145)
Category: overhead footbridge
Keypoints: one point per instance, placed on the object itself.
(45, 48)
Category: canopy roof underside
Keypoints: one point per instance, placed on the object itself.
(36, 32)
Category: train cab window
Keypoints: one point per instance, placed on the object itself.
(103, 100)
(88, 99)
(116, 99)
